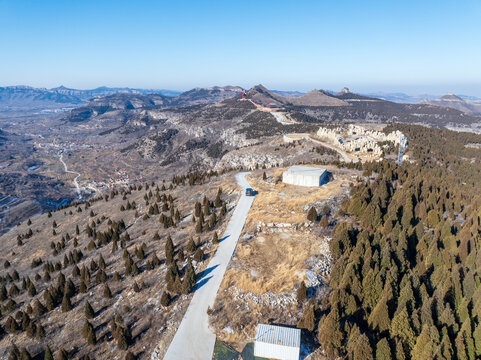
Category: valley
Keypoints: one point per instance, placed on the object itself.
(122, 203)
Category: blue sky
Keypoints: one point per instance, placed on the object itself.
(411, 46)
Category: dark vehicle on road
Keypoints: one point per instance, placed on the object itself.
(250, 192)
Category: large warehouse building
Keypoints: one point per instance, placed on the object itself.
(277, 342)
(305, 176)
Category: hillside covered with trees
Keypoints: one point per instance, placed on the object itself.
(406, 279)
(109, 277)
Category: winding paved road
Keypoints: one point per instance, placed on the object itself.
(343, 154)
(193, 339)
(77, 186)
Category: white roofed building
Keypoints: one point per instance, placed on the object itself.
(277, 342)
(305, 176)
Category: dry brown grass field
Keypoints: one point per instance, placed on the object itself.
(278, 246)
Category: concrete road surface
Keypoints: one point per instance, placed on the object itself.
(339, 151)
(194, 340)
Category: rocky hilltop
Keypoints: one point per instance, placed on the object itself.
(455, 102)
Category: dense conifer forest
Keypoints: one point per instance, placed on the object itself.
(406, 279)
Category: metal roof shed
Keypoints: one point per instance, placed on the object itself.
(277, 342)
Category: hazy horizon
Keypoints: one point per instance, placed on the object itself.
(372, 46)
(411, 91)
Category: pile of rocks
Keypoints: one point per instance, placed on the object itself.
(360, 138)
(271, 227)
(248, 160)
(324, 264)
(283, 300)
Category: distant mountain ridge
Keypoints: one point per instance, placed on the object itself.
(317, 106)
(456, 102)
(315, 98)
(400, 97)
(104, 91)
(130, 101)
(25, 98)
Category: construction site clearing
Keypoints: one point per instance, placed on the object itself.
(356, 142)
(278, 249)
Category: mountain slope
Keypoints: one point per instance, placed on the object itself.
(206, 95)
(25, 98)
(260, 95)
(455, 102)
(318, 98)
(15, 98)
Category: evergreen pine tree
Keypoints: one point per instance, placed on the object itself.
(38, 308)
(89, 311)
(107, 293)
(66, 303)
(169, 250)
(426, 344)
(324, 222)
(330, 335)
(186, 286)
(25, 355)
(362, 349)
(11, 326)
(49, 300)
(308, 319)
(14, 353)
(190, 274)
(379, 319)
(48, 354)
(215, 238)
(401, 327)
(124, 338)
(312, 214)
(199, 255)
(191, 247)
(301, 293)
(198, 226)
(83, 287)
(61, 355)
(130, 356)
(3, 293)
(31, 329)
(39, 332)
(165, 299)
(383, 350)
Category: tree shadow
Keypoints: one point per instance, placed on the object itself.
(101, 326)
(101, 310)
(201, 283)
(207, 271)
(225, 237)
(138, 336)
